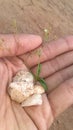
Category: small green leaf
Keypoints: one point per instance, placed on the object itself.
(38, 70)
(42, 82)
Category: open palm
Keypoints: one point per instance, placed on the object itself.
(57, 70)
(12, 115)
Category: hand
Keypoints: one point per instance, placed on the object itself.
(12, 115)
(57, 69)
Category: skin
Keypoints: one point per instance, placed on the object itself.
(56, 59)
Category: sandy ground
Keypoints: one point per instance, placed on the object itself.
(33, 16)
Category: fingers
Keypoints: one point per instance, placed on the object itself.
(50, 67)
(49, 51)
(61, 98)
(53, 80)
(58, 78)
(11, 45)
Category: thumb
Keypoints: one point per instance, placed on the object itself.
(16, 44)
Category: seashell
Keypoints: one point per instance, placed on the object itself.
(35, 99)
(23, 90)
(16, 95)
(23, 76)
(38, 89)
(19, 91)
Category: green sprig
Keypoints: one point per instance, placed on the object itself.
(39, 79)
(38, 71)
(43, 83)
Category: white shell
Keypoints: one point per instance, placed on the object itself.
(21, 86)
(23, 90)
(38, 89)
(35, 99)
(16, 95)
(23, 76)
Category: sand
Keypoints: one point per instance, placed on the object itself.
(33, 16)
